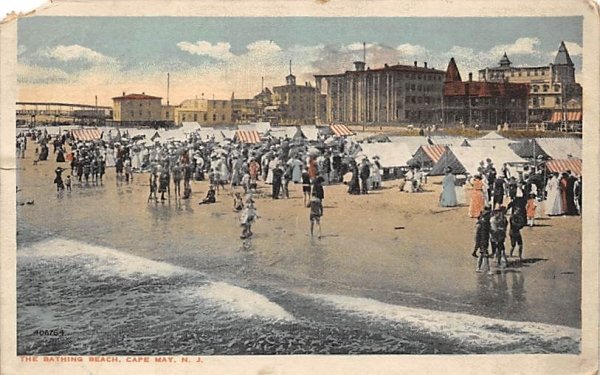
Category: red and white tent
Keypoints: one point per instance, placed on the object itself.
(247, 136)
(86, 134)
(340, 130)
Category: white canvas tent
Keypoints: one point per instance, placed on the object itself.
(261, 127)
(282, 132)
(391, 155)
(561, 148)
(310, 132)
(208, 133)
(467, 159)
(412, 144)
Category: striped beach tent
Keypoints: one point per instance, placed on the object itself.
(340, 130)
(427, 155)
(247, 136)
(560, 165)
(86, 134)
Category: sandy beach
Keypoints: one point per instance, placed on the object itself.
(425, 264)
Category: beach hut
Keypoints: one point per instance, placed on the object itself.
(393, 157)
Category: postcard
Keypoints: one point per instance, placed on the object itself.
(300, 187)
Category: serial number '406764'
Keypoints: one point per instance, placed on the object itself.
(49, 332)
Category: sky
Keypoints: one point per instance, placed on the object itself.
(74, 59)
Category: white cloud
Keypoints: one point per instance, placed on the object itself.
(76, 52)
(522, 46)
(573, 48)
(263, 47)
(412, 50)
(219, 51)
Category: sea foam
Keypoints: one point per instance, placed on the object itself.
(240, 301)
(472, 330)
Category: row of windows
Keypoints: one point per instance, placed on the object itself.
(518, 73)
(205, 117)
(545, 88)
(537, 101)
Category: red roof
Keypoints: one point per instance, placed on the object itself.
(483, 89)
(136, 97)
(452, 73)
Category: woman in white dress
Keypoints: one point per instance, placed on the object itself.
(553, 199)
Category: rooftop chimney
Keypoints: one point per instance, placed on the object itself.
(425, 64)
(143, 93)
(123, 93)
(359, 66)
(470, 77)
(415, 64)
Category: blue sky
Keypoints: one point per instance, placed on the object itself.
(69, 57)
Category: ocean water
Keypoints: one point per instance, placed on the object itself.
(103, 301)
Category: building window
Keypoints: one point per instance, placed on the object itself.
(214, 117)
(195, 117)
(535, 72)
(512, 74)
(519, 73)
(528, 73)
(183, 117)
(543, 72)
(140, 112)
(546, 87)
(205, 117)
(140, 104)
(167, 114)
(557, 101)
(223, 118)
(557, 88)
(535, 88)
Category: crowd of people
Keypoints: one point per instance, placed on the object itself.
(238, 167)
(524, 193)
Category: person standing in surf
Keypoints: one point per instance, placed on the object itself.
(248, 217)
(482, 239)
(316, 212)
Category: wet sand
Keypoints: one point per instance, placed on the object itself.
(427, 264)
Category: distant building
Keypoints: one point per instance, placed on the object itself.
(389, 95)
(297, 104)
(204, 112)
(483, 103)
(137, 109)
(168, 113)
(551, 86)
